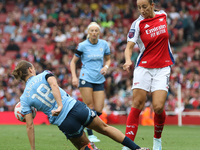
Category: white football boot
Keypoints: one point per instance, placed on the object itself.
(157, 144)
(93, 138)
(125, 148)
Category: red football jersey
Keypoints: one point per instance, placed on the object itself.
(152, 37)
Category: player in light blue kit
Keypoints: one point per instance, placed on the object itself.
(70, 115)
(92, 52)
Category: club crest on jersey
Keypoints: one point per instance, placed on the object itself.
(101, 49)
(131, 33)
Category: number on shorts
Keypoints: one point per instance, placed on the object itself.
(45, 100)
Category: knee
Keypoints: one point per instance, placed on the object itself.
(89, 104)
(158, 109)
(139, 104)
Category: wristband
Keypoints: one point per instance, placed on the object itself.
(106, 66)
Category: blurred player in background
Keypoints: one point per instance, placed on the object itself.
(152, 69)
(92, 52)
(70, 115)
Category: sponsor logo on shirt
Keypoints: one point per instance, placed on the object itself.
(131, 33)
(149, 31)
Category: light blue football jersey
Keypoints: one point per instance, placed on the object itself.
(92, 59)
(38, 94)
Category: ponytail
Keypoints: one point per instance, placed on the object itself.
(21, 70)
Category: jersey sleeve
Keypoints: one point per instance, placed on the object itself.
(107, 49)
(79, 51)
(163, 12)
(134, 31)
(26, 109)
(48, 74)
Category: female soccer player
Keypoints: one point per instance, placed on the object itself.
(70, 115)
(92, 52)
(152, 69)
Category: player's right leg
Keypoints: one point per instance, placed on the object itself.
(141, 84)
(86, 90)
(81, 143)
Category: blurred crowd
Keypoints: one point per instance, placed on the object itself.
(47, 32)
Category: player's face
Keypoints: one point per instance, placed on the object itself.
(93, 32)
(145, 8)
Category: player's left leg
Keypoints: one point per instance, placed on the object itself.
(98, 125)
(87, 96)
(159, 98)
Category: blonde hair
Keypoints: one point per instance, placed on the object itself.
(91, 25)
(21, 70)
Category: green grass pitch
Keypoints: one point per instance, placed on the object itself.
(48, 137)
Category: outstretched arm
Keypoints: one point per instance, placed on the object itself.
(30, 130)
(56, 93)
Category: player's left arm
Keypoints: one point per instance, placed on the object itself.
(107, 64)
(30, 130)
(56, 93)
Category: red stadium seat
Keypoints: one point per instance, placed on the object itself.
(126, 22)
(3, 18)
(10, 2)
(10, 8)
(196, 44)
(10, 54)
(187, 49)
(4, 60)
(6, 36)
(5, 44)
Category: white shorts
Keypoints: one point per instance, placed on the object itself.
(151, 80)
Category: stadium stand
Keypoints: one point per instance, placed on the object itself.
(71, 19)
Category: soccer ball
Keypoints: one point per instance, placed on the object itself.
(19, 116)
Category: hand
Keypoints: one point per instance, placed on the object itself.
(75, 82)
(127, 65)
(104, 70)
(57, 111)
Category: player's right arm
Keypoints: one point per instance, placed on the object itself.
(30, 130)
(128, 54)
(56, 93)
(73, 71)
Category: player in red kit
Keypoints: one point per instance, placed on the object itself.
(152, 70)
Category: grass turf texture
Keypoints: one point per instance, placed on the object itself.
(48, 137)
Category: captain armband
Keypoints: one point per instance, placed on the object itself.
(78, 52)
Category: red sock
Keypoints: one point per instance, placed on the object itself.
(132, 123)
(159, 120)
